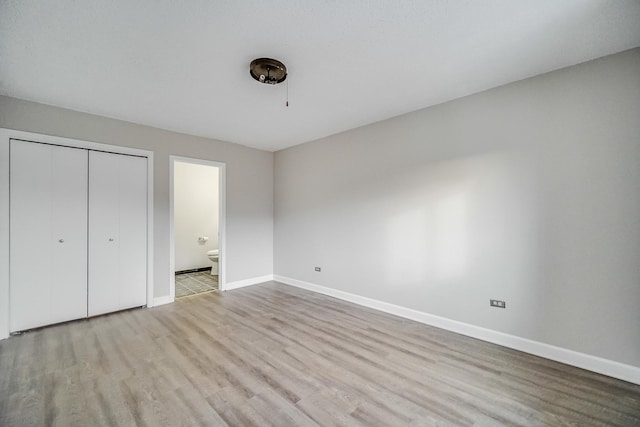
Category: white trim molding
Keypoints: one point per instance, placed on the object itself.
(581, 360)
(167, 299)
(248, 282)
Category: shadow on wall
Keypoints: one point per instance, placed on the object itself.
(462, 231)
(437, 238)
(442, 236)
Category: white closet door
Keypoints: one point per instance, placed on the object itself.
(117, 232)
(48, 234)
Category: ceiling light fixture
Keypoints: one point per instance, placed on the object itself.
(268, 71)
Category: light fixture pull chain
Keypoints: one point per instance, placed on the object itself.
(287, 103)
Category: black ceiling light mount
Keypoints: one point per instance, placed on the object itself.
(268, 71)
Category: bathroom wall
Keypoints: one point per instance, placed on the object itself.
(249, 181)
(528, 193)
(195, 189)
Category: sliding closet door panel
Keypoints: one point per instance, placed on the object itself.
(48, 240)
(69, 216)
(103, 233)
(117, 232)
(133, 231)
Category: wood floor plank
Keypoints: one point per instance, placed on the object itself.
(275, 355)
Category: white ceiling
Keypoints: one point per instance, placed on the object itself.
(183, 65)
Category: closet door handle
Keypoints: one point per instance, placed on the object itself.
(111, 239)
(61, 241)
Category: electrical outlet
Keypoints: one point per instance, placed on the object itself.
(497, 303)
(318, 269)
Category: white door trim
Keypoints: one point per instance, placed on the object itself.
(222, 220)
(5, 136)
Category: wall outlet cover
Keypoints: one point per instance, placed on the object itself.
(497, 303)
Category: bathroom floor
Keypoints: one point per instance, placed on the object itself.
(195, 283)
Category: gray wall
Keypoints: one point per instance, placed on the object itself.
(249, 180)
(528, 193)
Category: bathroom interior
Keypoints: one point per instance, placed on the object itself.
(196, 228)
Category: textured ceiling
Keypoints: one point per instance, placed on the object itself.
(183, 65)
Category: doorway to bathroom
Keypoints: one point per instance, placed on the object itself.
(197, 201)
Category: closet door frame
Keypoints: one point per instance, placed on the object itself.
(6, 135)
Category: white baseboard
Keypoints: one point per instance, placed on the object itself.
(162, 300)
(581, 360)
(247, 282)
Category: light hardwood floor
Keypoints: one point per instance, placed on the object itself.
(275, 355)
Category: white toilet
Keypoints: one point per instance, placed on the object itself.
(214, 255)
